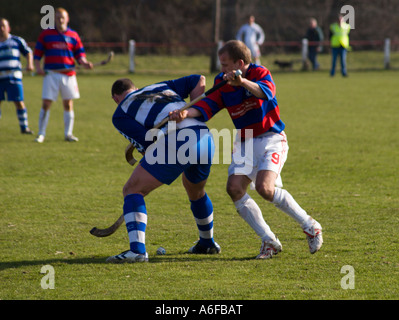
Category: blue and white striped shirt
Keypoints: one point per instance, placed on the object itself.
(147, 107)
(10, 62)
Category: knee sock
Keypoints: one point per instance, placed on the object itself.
(285, 202)
(43, 121)
(69, 119)
(23, 119)
(135, 214)
(251, 213)
(203, 213)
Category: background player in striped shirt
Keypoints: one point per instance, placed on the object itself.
(11, 48)
(187, 151)
(252, 105)
(60, 47)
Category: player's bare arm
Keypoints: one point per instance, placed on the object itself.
(86, 64)
(199, 88)
(178, 115)
(251, 86)
(29, 59)
(38, 67)
(254, 88)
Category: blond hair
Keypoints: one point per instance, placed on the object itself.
(237, 50)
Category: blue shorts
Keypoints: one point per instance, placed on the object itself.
(15, 91)
(189, 150)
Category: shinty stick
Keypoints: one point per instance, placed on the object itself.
(101, 63)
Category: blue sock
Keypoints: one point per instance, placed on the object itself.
(135, 214)
(22, 119)
(203, 213)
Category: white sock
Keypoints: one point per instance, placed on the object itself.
(43, 121)
(286, 203)
(251, 213)
(69, 118)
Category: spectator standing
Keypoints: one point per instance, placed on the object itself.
(253, 36)
(315, 37)
(339, 39)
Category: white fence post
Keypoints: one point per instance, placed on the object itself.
(220, 44)
(387, 52)
(132, 51)
(305, 50)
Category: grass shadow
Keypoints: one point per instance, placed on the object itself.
(101, 260)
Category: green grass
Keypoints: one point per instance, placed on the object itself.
(342, 168)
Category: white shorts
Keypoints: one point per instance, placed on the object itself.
(266, 152)
(55, 82)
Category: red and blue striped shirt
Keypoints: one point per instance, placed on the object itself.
(59, 49)
(246, 110)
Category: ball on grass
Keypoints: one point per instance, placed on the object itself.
(161, 251)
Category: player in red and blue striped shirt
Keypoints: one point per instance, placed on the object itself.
(60, 47)
(247, 110)
(252, 105)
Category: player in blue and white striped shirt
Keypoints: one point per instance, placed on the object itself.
(138, 111)
(11, 49)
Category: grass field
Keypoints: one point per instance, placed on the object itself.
(342, 168)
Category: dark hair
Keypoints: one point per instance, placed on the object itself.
(237, 50)
(122, 85)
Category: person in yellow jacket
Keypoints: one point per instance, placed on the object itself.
(339, 39)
